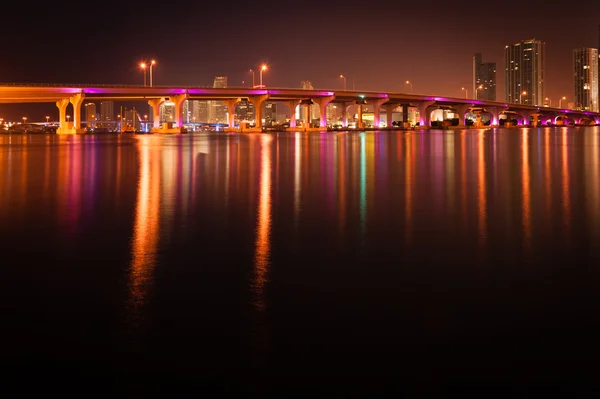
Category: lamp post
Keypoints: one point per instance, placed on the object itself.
(68, 118)
(477, 91)
(466, 92)
(343, 77)
(24, 119)
(252, 71)
(560, 102)
(47, 120)
(143, 66)
(549, 101)
(262, 68)
(151, 64)
(524, 93)
(409, 83)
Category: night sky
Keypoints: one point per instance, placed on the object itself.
(379, 45)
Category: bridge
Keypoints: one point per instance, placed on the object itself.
(75, 94)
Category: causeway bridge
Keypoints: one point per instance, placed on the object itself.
(76, 94)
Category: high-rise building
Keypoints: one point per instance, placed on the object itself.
(585, 83)
(203, 107)
(217, 109)
(167, 111)
(244, 111)
(524, 72)
(90, 112)
(107, 110)
(484, 79)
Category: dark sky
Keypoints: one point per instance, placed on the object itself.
(379, 44)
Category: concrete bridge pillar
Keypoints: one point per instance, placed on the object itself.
(307, 107)
(536, 119)
(389, 113)
(495, 112)
(155, 105)
(377, 110)
(359, 123)
(462, 110)
(231, 112)
(345, 107)
(77, 100)
(478, 122)
(257, 102)
(178, 101)
(62, 116)
(323, 103)
(292, 104)
(425, 113)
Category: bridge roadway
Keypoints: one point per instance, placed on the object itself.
(75, 94)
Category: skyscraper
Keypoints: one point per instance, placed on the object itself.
(90, 112)
(217, 109)
(524, 72)
(107, 111)
(585, 82)
(484, 76)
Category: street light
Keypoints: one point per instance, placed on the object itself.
(477, 91)
(47, 120)
(143, 66)
(262, 68)
(151, 64)
(68, 118)
(24, 119)
(409, 83)
(560, 102)
(524, 93)
(343, 77)
(466, 92)
(252, 78)
(549, 101)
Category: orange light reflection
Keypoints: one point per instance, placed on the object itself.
(263, 231)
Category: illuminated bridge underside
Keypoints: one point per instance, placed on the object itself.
(76, 94)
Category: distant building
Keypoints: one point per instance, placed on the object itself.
(524, 72)
(585, 82)
(107, 110)
(90, 112)
(167, 111)
(244, 111)
(484, 76)
(217, 109)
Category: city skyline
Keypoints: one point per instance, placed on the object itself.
(382, 51)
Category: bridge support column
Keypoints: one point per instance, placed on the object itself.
(323, 103)
(462, 110)
(76, 101)
(425, 114)
(389, 114)
(359, 123)
(307, 107)
(257, 102)
(536, 119)
(63, 128)
(345, 107)
(178, 101)
(478, 122)
(377, 111)
(292, 106)
(495, 112)
(231, 113)
(155, 106)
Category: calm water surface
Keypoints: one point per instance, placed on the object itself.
(352, 262)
